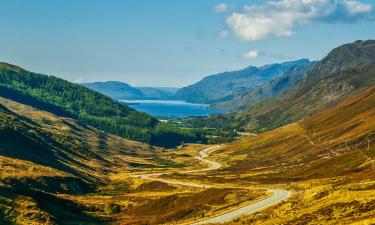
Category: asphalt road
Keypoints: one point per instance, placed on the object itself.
(202, 155)
(277, 197)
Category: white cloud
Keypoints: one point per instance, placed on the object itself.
(222, 7)
(250, 54)
(280, 18)
(223, 34)
(355, 7)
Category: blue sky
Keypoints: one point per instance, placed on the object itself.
(173, 42)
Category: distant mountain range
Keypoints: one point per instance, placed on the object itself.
(267, 90)
(233, 91)
(123, 91)
(228, 86)
(341, 74)
(272, 95)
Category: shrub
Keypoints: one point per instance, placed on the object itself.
(112, 208)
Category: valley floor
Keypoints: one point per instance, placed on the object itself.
(275, 197)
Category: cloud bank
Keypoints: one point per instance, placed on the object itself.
(280, 18)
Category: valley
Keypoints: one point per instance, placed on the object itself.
(301, 151)
(256, 112)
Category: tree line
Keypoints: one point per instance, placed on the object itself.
(67, 99)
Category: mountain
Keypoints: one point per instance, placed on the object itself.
(123, 91)
(159, 93)
(171, 90)
(66, 99)
(46, 160)
(328, 158)
(226, 86)
(267, 90)
(116, 90)
(61, 143)
(342, 73)
(325, 144)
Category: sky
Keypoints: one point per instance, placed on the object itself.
(173, 43)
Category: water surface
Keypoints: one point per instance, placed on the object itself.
(172, 108)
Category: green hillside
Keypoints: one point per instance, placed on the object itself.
(66, 99)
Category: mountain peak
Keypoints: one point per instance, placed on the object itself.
(299, 62)
(352, 55)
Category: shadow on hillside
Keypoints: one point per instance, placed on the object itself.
(17, 96)
(39, 150)
(63, 211)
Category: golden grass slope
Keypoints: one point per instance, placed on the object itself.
(77, 149)
(45, 159)
(326, 160)
(338, 141)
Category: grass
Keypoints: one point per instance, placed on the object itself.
(187, 206)
(46, 161)
(325, 160)
(318, 203)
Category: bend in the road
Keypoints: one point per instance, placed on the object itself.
(277, 195)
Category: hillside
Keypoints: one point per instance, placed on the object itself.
(326, 161)
(329, 143)
(159, 93)
(226, 86)
(43, 155)
(66, 99)
(116, 90)
(123, 91)
(267, 90)
(343, 72)
(57, 171)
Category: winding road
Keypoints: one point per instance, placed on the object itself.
(277, 194)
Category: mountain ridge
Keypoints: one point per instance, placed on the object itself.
(123, 91)
(342, 73)
(266, 90)
(225, 86)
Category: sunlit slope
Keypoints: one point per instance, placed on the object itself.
(341, 74)
(43, 155)
(327, 161)
(62, 143)
(335, 142)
